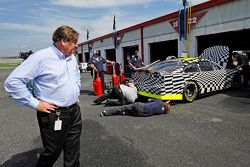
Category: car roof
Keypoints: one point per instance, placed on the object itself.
(189, 60)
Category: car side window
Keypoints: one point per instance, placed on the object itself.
(216, 66)
(193, 67)
(206, 66)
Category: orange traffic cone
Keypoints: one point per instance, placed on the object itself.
(114, 77)
(122, 76)
(97, 85)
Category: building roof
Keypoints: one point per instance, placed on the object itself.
(160, 19)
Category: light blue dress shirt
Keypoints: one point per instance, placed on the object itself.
(56, 79)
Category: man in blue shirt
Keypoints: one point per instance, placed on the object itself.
(154, 107)
(136, 61)
(56, 87)
(96, 62)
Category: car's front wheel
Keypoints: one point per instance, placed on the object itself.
(190, 91)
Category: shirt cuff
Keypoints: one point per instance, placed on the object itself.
(33, 103)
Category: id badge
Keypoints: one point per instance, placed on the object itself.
(58, 124)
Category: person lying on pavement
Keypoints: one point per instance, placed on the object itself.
(154, 107)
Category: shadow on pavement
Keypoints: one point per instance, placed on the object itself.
(243, 92)
(99, 149)
(87, 92)
(25, 159)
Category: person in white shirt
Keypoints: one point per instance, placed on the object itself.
(126, 94)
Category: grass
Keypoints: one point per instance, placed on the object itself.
(9, 64)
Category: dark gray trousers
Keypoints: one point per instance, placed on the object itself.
(66, 139)
(135, 109)
(114, 93)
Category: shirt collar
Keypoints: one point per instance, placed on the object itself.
(58, 52)
(96, 58)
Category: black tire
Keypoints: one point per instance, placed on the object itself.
(190, 91)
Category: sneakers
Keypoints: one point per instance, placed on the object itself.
(103, 113)
(97, 102)
(100, 99)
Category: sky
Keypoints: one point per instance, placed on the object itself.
(28, 24)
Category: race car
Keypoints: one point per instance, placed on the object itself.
(184, 78)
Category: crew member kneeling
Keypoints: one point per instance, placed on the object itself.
(124, 94)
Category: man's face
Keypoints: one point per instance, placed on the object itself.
(130, 84)
(95, 55)
(136, 54)
(69, 47)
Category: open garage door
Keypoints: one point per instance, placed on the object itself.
(161, 50)
(128, 52)
(236, 40)
(110, 54)
(87, 56)
(80, 57)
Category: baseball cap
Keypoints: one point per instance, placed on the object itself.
(131, 81)
(95, 52)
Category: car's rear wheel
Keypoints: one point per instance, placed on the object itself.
(190, 91)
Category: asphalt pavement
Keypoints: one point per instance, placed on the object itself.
(212, 131)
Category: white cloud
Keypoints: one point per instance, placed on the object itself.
(22, 46)
(97, 3)
(98, 24)
(42, 21)
(2, 9)
(26, 27)
(50, 18)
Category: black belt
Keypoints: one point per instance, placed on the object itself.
(67, 108)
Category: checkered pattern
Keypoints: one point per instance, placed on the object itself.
(174, 83)
(217, 54)
(149, 82)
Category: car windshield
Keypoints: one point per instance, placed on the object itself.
(165, 66)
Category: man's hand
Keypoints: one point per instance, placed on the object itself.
(112, 62)
(45, 107)
(92, 66)
(136, 69)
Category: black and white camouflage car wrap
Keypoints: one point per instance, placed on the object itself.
(167, 85)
